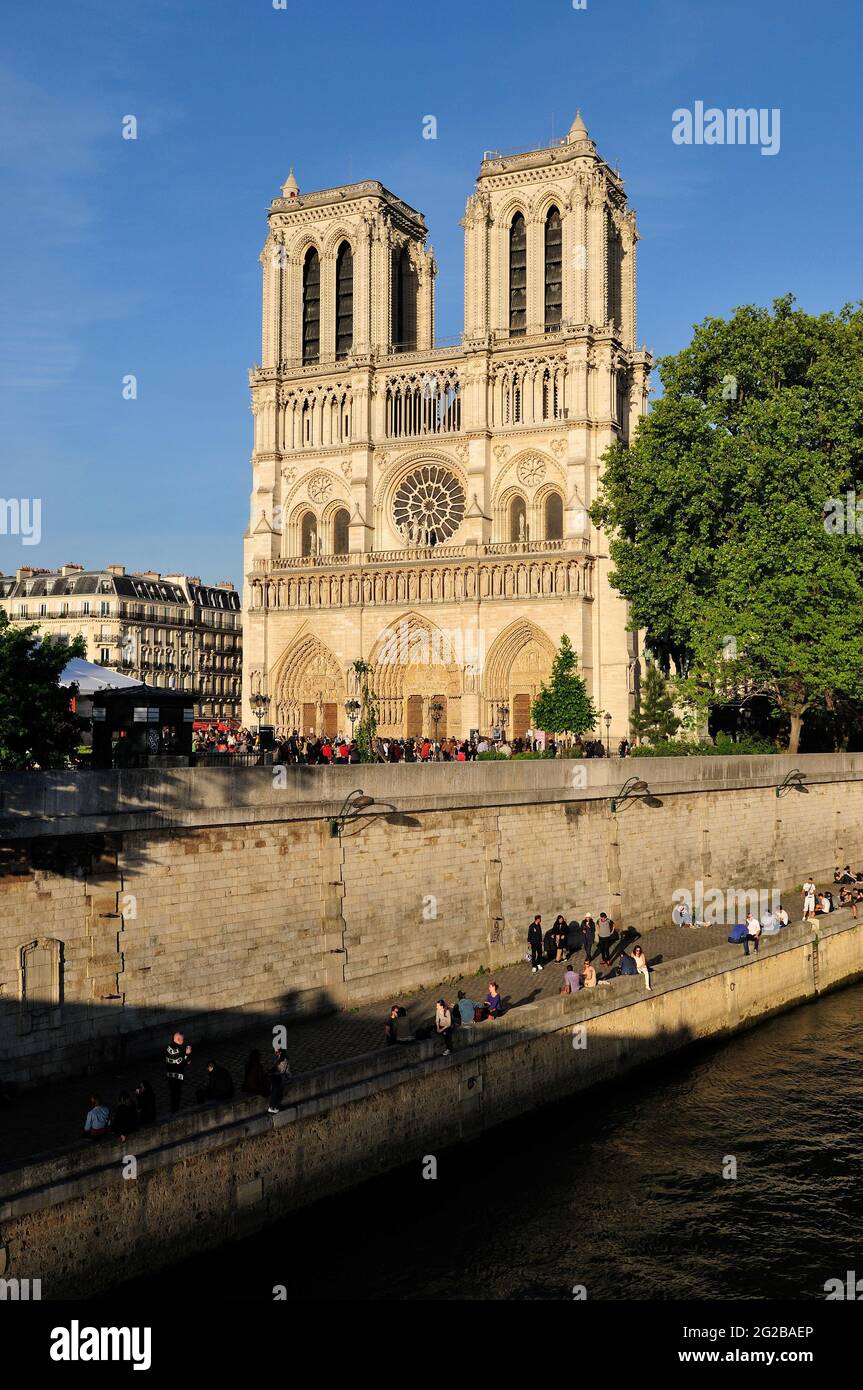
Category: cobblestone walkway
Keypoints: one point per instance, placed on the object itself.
(52, 1117)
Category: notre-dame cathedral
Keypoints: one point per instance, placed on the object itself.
(425, 508)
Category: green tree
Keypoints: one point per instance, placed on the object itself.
(654, 717)
(37, 726)
(727, 513)
(367, 723)
(564, 706)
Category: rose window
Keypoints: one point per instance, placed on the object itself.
(429, 505)
(531, 471)
(320, 487)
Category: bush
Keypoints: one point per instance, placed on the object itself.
(723, 747)
(492, 756)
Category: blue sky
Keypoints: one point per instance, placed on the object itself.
(140, 257)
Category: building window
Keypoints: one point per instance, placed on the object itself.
(622, 401)
(517, 277)
(104, 609)
(553, 271)
(40, 974)
(309, 534)
(341, 535)
(404, 302)
(614, 280)
(311, 306)
(104, 656)
(344, 300)
(554, 517)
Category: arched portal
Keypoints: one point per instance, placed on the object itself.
(417, 666)
(519, 661)
(309, 689)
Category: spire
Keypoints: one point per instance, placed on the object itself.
(578, 130)
(290, 188)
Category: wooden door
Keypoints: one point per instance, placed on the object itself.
(415, 716)
(520, 715)
(309, 719)
(331, 720)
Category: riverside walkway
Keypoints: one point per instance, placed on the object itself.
(50, 1118)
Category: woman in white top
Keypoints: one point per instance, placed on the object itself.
(641, 962)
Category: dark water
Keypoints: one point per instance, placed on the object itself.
(619, 1190)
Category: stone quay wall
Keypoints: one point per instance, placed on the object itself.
(81, 1223)
(213, 899)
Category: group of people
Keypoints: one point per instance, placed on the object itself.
(293, 748)
(217, 739)
(850, 887)
(132, 1112)
(596, 937)
(463, 1014)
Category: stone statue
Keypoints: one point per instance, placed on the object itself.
(522, 529)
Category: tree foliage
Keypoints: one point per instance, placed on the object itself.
(722, 534)
(37, 726)
(564, 706)
(367, 724)
(654, 717)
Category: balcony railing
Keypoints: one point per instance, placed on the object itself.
(409, 555)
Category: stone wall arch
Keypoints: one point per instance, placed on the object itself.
(306, 683)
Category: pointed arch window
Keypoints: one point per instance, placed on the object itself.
(344, 300)
(554, 517)
(311, 306)
(405, 287)
(341, 521)
(553, 271)
(517, 276)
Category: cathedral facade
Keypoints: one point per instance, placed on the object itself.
(424, 508)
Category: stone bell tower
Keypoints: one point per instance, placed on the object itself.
(364, 251)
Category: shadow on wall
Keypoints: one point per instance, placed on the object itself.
(39, 1111)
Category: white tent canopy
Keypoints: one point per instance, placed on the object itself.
(91, 678)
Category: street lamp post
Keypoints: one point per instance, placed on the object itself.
(607, 733)
(436, 710)
(260, 704)
(502, 717)
(352, 709)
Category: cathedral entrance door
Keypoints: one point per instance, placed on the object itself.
(331, 720)
(520, 715)
(309, 719)
(415, 716)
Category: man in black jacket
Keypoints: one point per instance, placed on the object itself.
(177, 1055)
(534, 941)
(218, 1086)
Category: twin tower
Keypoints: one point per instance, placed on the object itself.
(424, 509)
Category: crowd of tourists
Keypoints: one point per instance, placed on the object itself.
(219, 739)
(294, 748)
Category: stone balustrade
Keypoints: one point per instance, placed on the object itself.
(528, 569)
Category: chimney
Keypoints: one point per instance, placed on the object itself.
(116, 569)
